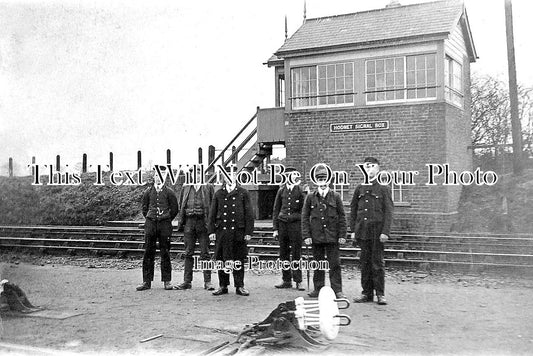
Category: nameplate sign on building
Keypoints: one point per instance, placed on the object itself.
(359, 126)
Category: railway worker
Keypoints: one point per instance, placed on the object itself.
(159, 207)
(324, 228)
(231, 223)
(287, 222)
(195, 202)
(370, 222)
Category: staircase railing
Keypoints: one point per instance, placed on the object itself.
(238, 149)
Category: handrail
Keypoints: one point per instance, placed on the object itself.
(240, 147)
(211, 164)
(235, 153)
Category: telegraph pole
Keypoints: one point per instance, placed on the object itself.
(513, 90)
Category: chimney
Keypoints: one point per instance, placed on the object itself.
(393, 3)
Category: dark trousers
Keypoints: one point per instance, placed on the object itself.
(195, 230)
(231, 246)
(157, 231)
(290, 243)
(331, 250)
(372, 264)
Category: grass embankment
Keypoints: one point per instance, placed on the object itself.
(483, 208)
(85, 204)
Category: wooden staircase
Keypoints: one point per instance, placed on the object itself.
(253, 143)
(255, 156)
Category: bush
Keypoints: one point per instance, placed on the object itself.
(85, 204)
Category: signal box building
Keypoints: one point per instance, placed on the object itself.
(393, 83)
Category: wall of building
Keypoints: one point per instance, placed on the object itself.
(418, 134)
(458, 135)
(455, 44)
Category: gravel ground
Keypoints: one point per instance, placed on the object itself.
(428, 312)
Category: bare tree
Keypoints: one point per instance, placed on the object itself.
(491, 114)
(527, 132)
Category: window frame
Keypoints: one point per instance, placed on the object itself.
(450, 91)
(405, 86)
(281, 89)
(317, 95)
(403, 194)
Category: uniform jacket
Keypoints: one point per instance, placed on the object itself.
(160, 206)
(230, 211)
(207, 194)
(323, 219)
(288, 205)
(371, 204)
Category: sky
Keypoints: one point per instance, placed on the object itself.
(120, 76)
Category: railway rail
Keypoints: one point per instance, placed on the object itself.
(450, 251)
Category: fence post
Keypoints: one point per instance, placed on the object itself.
(199, 155)
(84, 163)
(58, 163)
(10, 169)
(211, 156)
(33, 166)
(139, 160)
(234, 160)
(168, 156)
(111, 161)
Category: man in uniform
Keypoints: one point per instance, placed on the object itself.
(159, 207)
(287, 221)
(231, 223)
(195, 202)
(324, 226)
(370, 222)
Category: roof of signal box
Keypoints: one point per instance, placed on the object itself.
(391, 24)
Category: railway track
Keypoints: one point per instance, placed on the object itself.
(467, 252)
